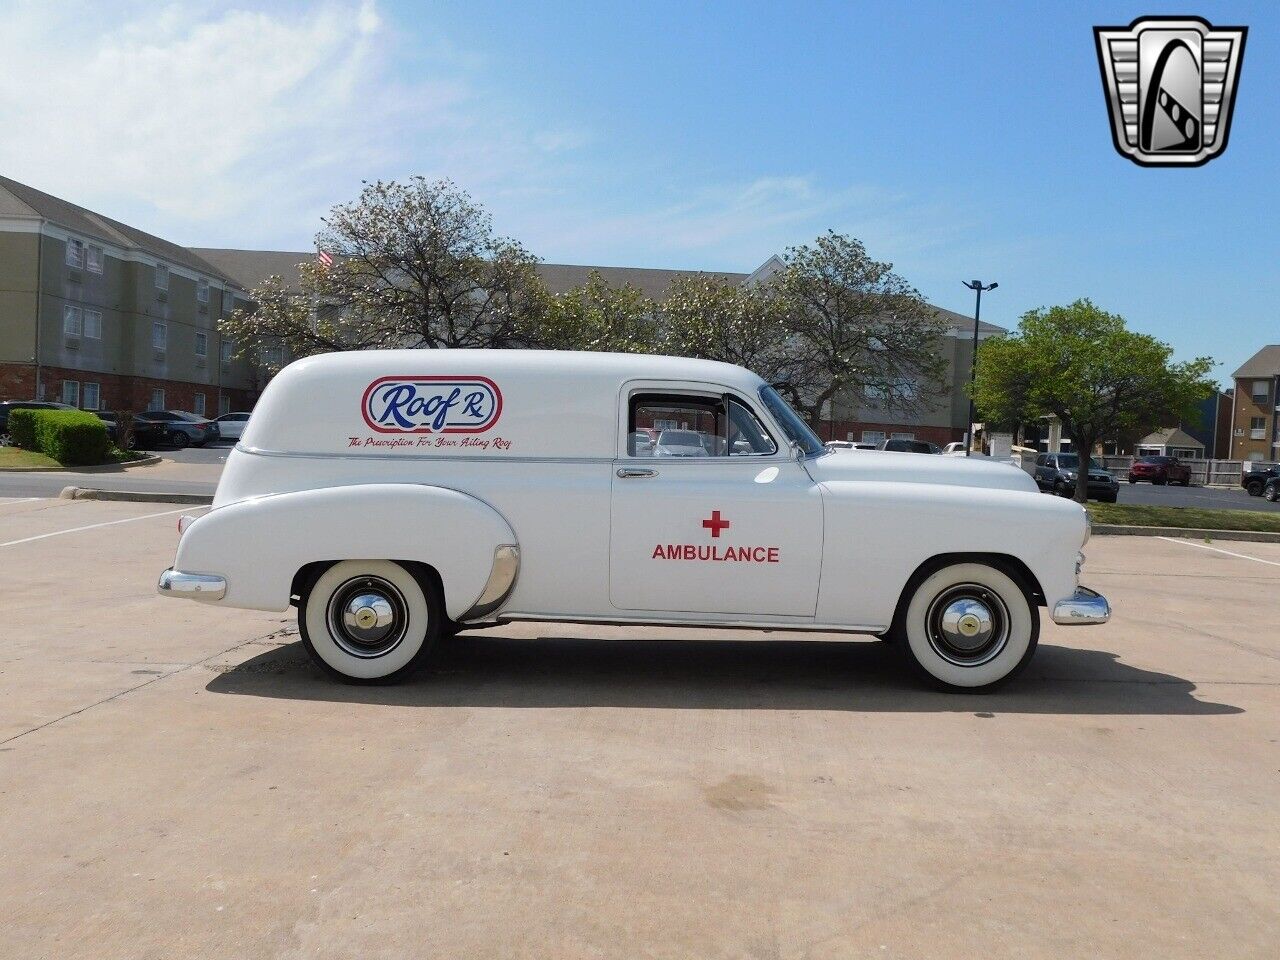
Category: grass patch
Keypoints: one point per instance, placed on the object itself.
(15, 458)
(1145, 516)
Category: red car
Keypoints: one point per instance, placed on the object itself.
(1160, 470)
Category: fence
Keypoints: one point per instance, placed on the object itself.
(1204, 473)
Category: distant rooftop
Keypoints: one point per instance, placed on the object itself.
(1264, 363)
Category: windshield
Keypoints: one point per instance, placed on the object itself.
(1069, 460)
(797, 430)
(183, 415)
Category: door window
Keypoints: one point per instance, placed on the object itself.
(694, 427)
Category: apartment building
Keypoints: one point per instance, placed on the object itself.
(101, 315)
(1255, 428)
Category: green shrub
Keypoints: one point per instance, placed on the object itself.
(72, 437)
(22, 429)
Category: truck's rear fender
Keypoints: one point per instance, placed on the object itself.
(261, 543)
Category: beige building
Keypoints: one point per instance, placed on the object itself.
(104, 316)
(1255, 432)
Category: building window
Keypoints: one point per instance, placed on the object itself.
(224, 404)
(93, 324)
(1255, 455)
(903, 436)
(202, 344)
(1261, 389)
(92, 394)
(273, 357)
(1257, 428)
(160, 336)
(71, 392)
(75, 253)
(157, 400)
(202, 290)
(72, 320)
(162, 277)
(872, 436)
(94, 259)
(228, 303)
(197, 404)
(228, 350)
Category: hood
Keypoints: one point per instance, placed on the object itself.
(887, 467)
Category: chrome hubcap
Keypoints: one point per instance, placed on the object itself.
(367, 617)
(967, 625)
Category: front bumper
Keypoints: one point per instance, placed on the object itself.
(1083, 608)
(192, 586)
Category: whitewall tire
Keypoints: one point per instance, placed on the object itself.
(970, 626)
(370, 620)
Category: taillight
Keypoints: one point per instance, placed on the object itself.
(184, 521)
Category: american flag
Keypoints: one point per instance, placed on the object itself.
(325, 258)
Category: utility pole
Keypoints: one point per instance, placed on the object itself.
(977, 287)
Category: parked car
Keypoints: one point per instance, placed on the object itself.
(108, 418)
(956, 448)
(173, 428)
(398, 496)
(8, 405)
(231, 425)
(907, 446)
(1254, 476)
(680, 443)
(1160, 470)
(1057, 472)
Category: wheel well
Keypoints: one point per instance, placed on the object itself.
(1010, 565)
(309, 573)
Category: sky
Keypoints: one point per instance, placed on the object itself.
(956, 140)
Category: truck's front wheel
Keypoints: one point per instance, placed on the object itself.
(370, 621)
(970, 626)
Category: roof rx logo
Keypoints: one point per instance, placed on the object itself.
(1170, 84)
(431, 404)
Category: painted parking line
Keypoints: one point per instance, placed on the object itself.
(1203, 546)
(95, 526)
(7, 501)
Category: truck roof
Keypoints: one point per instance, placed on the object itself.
(491, 403)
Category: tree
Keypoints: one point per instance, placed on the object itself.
(855, 326)
(1079, 364)
(597, 316)
(714, 318)
(414, 265)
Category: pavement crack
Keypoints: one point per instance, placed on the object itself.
(145, 683)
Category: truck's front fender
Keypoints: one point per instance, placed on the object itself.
(257, 545)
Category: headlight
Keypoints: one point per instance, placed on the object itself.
(1088, 528)
(1070, 475)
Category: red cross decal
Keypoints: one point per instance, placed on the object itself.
(715, 524)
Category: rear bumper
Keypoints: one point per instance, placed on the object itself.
(1082, 608)
(192, 586)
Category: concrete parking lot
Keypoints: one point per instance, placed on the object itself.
(177, 780)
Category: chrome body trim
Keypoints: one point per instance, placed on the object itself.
(192, 586)
(1083, 608)
(502, 580)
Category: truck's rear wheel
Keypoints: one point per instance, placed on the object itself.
(370, 621)
(970, 626)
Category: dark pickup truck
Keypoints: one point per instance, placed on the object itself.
(1255, 475)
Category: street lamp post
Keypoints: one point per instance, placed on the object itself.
(977, 287)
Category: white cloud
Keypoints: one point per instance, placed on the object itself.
(211, 124)
(214, 123)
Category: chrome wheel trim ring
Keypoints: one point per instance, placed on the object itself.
(367, 617)
(967, 625)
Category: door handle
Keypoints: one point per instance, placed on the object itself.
(631, 473)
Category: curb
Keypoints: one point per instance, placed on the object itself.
(107, 467)
(89, 493)
(1189, 533)
(93, 468)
